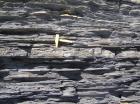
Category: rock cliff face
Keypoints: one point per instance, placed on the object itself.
(101, 66)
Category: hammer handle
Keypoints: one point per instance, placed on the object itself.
(66, 41)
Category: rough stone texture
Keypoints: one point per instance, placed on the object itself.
(102, 66)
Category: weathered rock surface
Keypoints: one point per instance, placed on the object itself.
(101, 66)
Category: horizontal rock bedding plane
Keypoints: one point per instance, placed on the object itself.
(97, 62)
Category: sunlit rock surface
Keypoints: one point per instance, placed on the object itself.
(100, 66)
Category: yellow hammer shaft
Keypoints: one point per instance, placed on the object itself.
(66, 41)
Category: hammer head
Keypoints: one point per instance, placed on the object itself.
(57, 40)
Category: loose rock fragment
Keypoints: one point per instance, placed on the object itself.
(129, 54)
(136, 1)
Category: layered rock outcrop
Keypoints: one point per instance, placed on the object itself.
(101, 66)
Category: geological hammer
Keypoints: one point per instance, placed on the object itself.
(58, 39)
